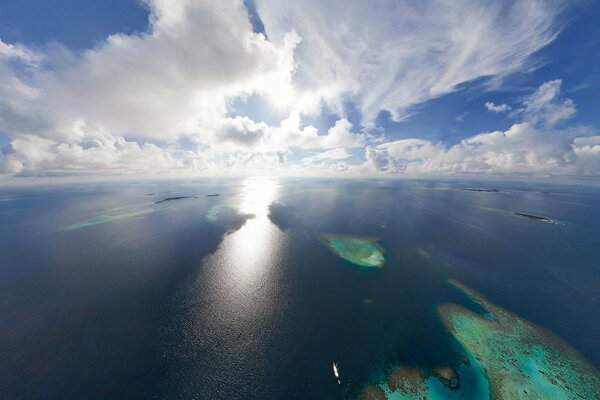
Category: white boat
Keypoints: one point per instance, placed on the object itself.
(336, 373)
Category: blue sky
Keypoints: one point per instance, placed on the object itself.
(78, 24)
(192, 87)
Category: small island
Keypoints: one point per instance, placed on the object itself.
(175, 198)
(481, 190)
(363, 252)
(532, 217)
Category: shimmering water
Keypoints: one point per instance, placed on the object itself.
(105, 293)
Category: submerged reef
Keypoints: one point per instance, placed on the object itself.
(521, 360)
(109, 216)
(504, 357)
(407, 380)
(220, 212)
(227, 216)
(448, 376)
(364, 252)
(372, 392)
(119, 213)
(423, 253)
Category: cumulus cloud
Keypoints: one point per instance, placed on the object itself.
(587, 151)
(242, 131)
(309, 137)
(97, 150)
(175, 79)
(534, 146)
(499, 108)
(393, 54)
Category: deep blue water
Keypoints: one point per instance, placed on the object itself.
(162, 303)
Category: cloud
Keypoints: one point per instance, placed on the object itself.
(175, 80)
(163, 100)
(500, 108)
(534, 146)
(242, 131)
(544, 106)
(289, 134)
(97, 150)
(19, 53)
(587, 151)
(78, 112)
(522, 149)
(334, 154)
(461, 116)
(394, 55)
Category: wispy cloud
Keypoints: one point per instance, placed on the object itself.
(393, 55)
(500, 108)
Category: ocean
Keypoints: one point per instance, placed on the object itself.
(226, 288)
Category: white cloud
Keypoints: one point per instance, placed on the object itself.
(290, 135)
(162, 100)
(175, 80)
(533, 146)
(522, 149)
(391, 55)
(242, 131)
(499, 108)
(587, 150)
(97, 150)
(19, 53)
(544, 106)
(334, 154)
(461, 116)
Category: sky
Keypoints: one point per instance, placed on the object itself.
(136, 88)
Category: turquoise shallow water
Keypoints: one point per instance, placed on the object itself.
(362, 252)
(105, 294)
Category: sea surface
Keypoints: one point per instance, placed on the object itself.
(106, 291)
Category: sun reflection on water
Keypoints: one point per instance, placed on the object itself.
(249, 256)
(236, 296)
(257, 194)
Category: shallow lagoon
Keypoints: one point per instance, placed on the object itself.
(251, 304)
